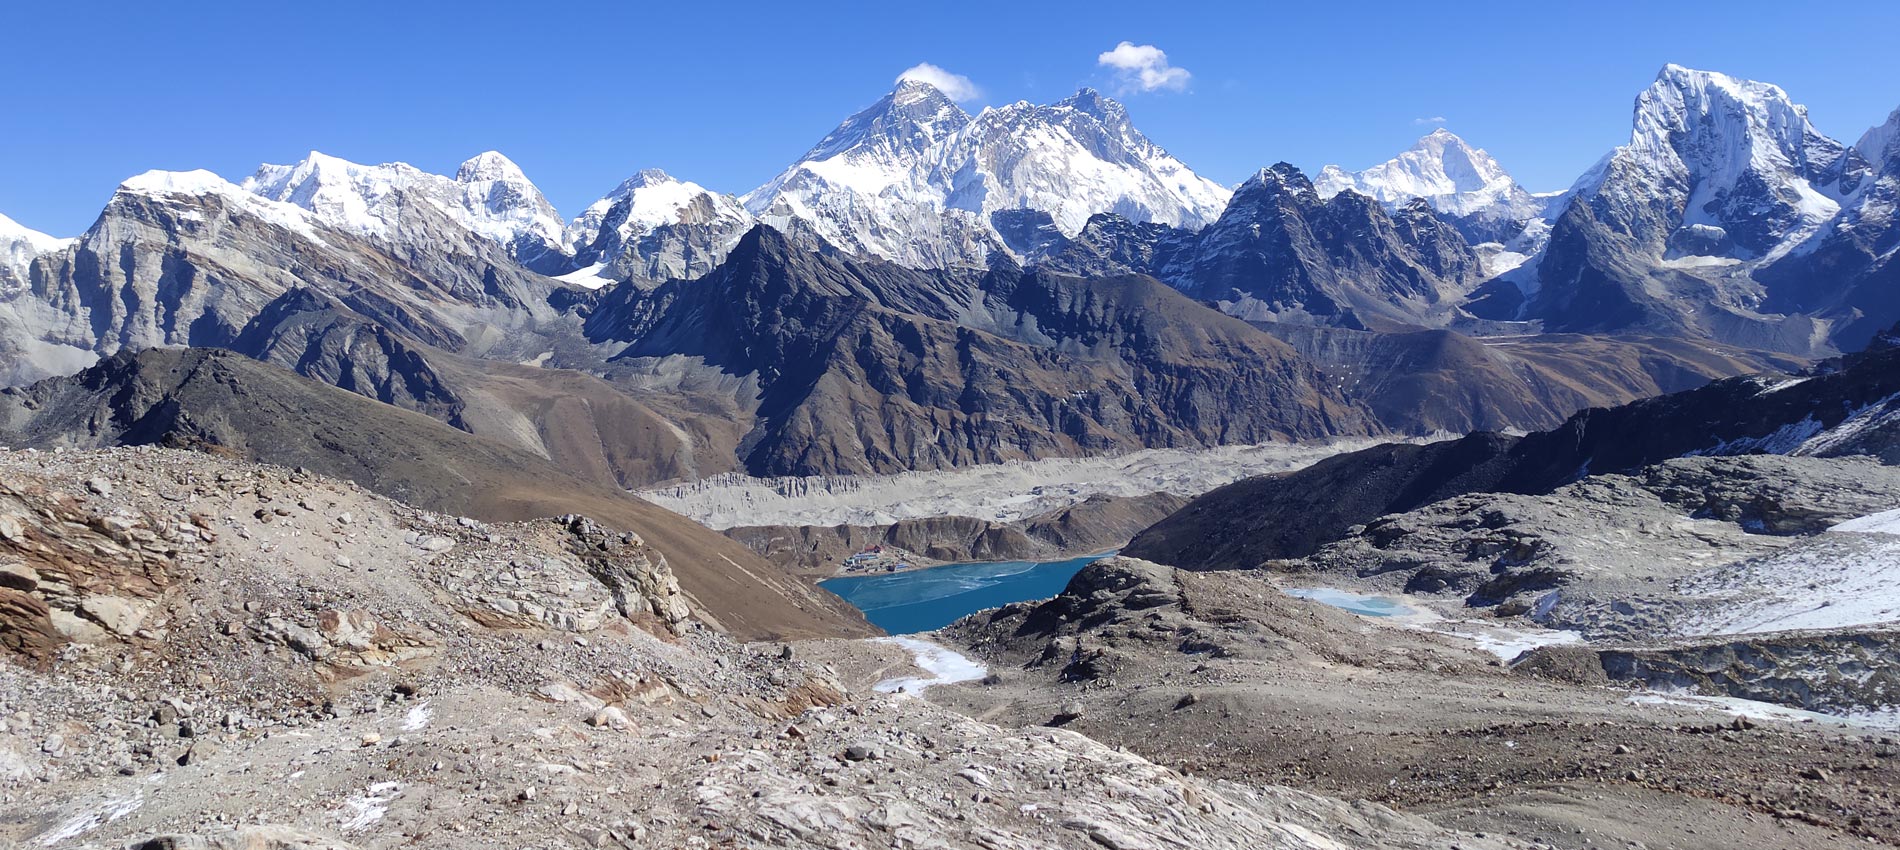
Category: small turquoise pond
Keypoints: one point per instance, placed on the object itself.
(928, 599)
(1358, 603)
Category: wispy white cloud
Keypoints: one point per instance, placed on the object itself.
(1143, 67)
(954, 86)
(1433, 121)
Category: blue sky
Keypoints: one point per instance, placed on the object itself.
(725, 94)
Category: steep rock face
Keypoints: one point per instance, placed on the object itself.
(1846, 270)
(1788, 668)
(240, 407)
(655, 227)
(1720, 175)
(877, 368)
(1462, 183)
(321, 338)
(1281, 253)
(1110, 245)
(188, 259)
(1841, 409)
(915, 179)
(488, 197)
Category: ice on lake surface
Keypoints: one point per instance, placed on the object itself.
(929, 599)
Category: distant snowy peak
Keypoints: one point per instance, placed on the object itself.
(1441, 163)
(489, 196)
(652, 198)
(915, 179)
(654, 226)
(1447, 172)
(1072, 159)
(1738, 157)
(19, 245)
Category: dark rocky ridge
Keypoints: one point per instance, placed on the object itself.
(1291, 515)
(1424, 381)
(1280, 252)
(965, 367)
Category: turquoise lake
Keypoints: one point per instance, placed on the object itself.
(928, 599)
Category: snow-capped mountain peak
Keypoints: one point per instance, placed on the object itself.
(649, 199)
(1739, 157)
(913, 178)
(875, 148)
(487, 166)
(1440, 164)
(1457, 179)
(489, 196)
(654, 226)
(1112, 115)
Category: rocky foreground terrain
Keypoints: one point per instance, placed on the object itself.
(202, 652)
(1221, 675)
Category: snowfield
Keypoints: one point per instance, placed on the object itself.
(1846, 578)
(1003, 492)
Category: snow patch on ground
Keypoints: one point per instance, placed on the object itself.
(1002, 492)
(418, 717)
(592, 277)
(945, 667)
(364, 810)
(92, 817)
(1508, 644)
(1753, 710)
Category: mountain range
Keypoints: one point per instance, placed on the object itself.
(924, 288)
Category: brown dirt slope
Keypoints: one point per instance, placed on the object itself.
(221, 400)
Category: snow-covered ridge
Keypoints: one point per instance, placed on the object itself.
(201, 183)
(915, 179)
(1882, 143)
(489, 196)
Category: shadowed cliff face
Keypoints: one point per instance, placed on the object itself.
(876, 368)
(1280, 252)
